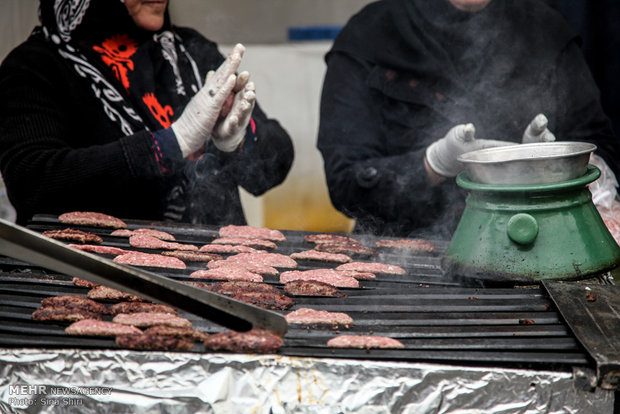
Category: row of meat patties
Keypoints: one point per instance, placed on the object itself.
(138, 324)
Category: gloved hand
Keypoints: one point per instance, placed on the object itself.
(537, 131)
(242, 80)
(196, 123)
(442, 154)
(230, 130)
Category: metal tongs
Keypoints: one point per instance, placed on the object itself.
(26, 245)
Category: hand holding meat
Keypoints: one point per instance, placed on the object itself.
(442, 154)
(230, 130)
(537, 131)
(198, 120)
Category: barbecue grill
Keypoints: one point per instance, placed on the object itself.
(512, 344)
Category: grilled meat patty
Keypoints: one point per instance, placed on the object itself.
(63, 314)
(75, 235)
(154, 342)
(312, 288)
(242, 286)
(176, 332)
(137, 307)
(107, 293)
(76, 302)
(162, 235)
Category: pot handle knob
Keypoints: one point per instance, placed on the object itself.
(522, 228)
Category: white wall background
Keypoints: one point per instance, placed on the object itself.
(288, 77)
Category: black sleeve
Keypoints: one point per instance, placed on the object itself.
(56, 156)
(580, 116)
(363, 178)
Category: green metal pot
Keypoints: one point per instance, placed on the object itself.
(528, 233)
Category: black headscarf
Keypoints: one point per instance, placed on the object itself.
(473, 60)
(143, 79)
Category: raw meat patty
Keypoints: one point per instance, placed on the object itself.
(241, 241)
(329, 276)
(146, 241)
(144, 319)
(162, 235)
(227, 248)
(251, 267)
(407, 244)
(309, 316)
(255, 341)
(250, 232)
(329, 238)
(227, 273)
(150, 260)
(188, 256)
(321, 256)
(92, 248)
(364, 342)
(88, 218)
(372, 268)
(269, 259)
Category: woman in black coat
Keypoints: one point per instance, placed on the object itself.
(107, 107)
(411, 84)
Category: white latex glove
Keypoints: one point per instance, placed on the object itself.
(537, 131)
(230, 130)
(604, 190)
(195, 125)
(242, 80)
(442, 154)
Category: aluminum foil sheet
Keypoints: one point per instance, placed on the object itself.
(79, 381)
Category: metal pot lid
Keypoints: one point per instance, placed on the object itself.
(528, 164)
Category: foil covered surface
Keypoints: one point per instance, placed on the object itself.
(113, 381)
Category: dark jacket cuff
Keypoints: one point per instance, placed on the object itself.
(166, 149)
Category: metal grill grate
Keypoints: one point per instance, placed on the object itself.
(435, 317)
